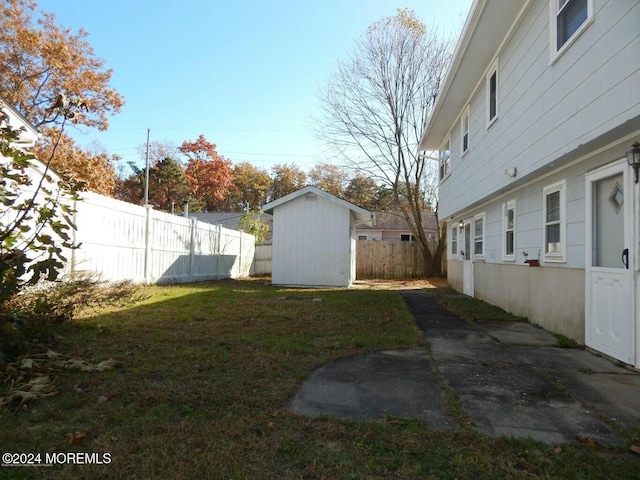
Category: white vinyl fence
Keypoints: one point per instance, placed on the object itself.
(122, 241)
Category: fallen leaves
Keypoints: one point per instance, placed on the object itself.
(76, 437)
(37, 387)
(30, 378)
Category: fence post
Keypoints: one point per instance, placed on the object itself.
(217, 252)
(74, 257)
(192, 246)
(147, 245)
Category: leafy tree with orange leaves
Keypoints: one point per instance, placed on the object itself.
(251, 187)
(209, 173)
(45, 68)
(93, 171)
(286, 178)
(329, 178)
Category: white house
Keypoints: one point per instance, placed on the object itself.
(9, 116)
(314, 238)
(532, 124)
(392, 226)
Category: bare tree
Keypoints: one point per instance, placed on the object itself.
(374, 110)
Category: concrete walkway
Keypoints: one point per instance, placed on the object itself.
(509, 379)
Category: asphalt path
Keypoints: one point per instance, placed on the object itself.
(509, 378)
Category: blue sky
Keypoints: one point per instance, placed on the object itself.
(244, 73)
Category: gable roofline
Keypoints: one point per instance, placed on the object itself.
(488, 26)
(32, 133)
(362, 215)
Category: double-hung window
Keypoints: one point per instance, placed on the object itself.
(553, 207)
(568, 19)
(454, 241)
(492, 94)
(445, 159)
(464, 129)
(509, 231)
(478, 236)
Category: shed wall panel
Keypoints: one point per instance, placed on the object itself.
(311, 243)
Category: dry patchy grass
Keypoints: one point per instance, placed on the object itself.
(202, 392)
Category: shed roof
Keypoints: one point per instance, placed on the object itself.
(488, 24)
(362, 216)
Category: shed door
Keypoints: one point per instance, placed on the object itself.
(609, 306)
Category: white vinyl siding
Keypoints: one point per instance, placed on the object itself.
(509, 231)
(553, 210)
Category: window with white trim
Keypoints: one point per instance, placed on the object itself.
(464, 129)
(478, 235)
(444, 156)
(553, 209)
(492, 94)
(454, 241)
(509, 231)
(568, 19)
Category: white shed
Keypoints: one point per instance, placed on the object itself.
(314, 238)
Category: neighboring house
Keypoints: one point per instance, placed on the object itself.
(392, 226)
(229, 220)
(532, 124)
(25, 142)
(10, 116)
(314, 238)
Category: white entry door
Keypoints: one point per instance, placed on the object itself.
(609, 306)
(467, 260)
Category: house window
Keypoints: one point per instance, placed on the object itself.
(407, 238)
(492, 94)
(509, 236)
(554, 212)
(478, 236)
(362, 237)
(464, 129)
(445, 159)
(568, 19)
(454, 240)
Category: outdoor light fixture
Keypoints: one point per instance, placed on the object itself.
(461, 224)
(633, 158)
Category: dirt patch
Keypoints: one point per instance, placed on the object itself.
(409, 284)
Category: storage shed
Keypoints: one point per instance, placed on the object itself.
(314, 238)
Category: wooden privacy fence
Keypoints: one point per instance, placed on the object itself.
(122, 241)
(374, 259)
(388, 259)
(262, 259)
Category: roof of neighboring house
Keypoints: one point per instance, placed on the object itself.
(229, 220)
(362, 216)
(489, 22)
(395, 221)
(16, 120)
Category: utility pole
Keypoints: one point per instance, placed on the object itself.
(146, 172)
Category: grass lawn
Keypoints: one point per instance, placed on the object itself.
(206, 372)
